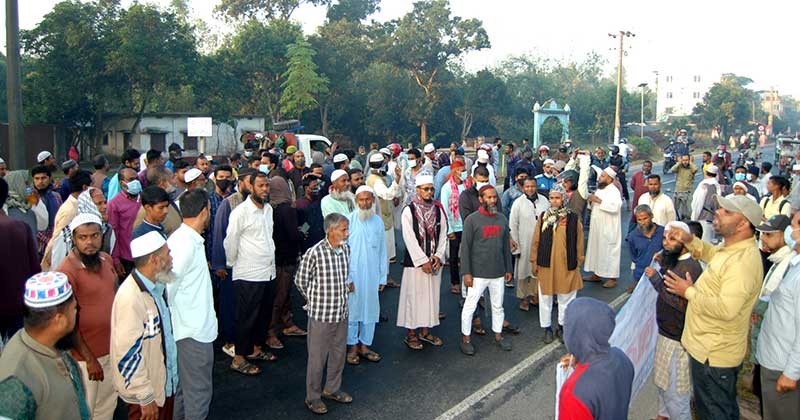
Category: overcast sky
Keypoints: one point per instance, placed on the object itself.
(704, 37)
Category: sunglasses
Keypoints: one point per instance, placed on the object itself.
(426, 188)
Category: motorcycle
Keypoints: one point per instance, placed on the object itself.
(669, 157)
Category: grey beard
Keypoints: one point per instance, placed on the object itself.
(341, 195)
(165, 277)
(365, 215)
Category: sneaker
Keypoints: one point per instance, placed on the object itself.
(548, 336)
(504, 344)
(467, 348)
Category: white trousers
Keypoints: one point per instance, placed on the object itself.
(101, 398)
(496, 288)
(546, 307)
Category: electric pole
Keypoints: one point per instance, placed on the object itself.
(16, 139)
(621, 35)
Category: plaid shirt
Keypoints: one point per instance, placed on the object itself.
(322, 280)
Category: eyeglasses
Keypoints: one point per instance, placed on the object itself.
(426, 188)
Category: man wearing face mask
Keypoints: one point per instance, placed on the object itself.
(740, 175)
(122, 211)
(661, 205)
(776, 350)
(483, 162)
(546, 180)
(515, 191)
(227, 295)
(415, 166)
(223, 184)
(309, 210)
(249, 150)
(451, 192)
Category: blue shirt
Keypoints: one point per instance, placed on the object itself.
(544, 184)
(439, 181)
(147, 227)
(643, 248)
(778, 346)
(171, 357)
(508, 198)
(113, 187)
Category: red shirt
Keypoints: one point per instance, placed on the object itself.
(94, 293)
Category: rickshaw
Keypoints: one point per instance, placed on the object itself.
(786, 150)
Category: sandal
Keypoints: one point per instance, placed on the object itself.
(264, 356)
(294, 331)
(455, 289)
(478, 329)
(371, 356)
(338, 396)
(431, 339)
(413, 342)
(246, 368)
(610, 284)
(524, 306)
(352, 358)
(317, 407)
(274, 343)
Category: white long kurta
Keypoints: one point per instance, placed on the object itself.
(605, 235)
(419, 292)
(662, 207)
(709, 185)
(368, 267)
(387, 193)
(522, 222)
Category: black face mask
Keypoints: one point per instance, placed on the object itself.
(224, 184)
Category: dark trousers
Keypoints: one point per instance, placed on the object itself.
(282, 308)
(164, 413)
(253, 314)
(327, 343)
(227, 309)
(455, 245)
(714, 391)
(778, 406)
(195, 366)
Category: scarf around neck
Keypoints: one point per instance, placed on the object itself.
(426, 214)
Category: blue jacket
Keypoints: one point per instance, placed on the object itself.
(544, 184)
(643, 248)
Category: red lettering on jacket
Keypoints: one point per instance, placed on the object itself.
(491, 231)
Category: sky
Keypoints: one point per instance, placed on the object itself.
(684, 37)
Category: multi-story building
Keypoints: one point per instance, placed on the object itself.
(679, 92)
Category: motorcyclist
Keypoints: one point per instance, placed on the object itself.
(616, 159)
(683, 141)
(722, 152)
(538, 163)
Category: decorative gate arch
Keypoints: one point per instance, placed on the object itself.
(542, 113)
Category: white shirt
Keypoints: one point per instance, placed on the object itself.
(249, 248)
(191, 299)
(662, 207)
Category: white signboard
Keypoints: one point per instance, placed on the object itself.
(199, 126)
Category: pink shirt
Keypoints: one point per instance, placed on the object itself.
(122, 212)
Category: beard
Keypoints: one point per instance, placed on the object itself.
(245, 193)
(645, 229)
(91, 261)
(489, 209)
(367, 214)
(259, 200)
(655, 193)
(341, 195)
(601, 184)
(669, 258)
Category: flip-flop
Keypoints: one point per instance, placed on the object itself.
(296, 332)
(413, 343)
(431, 339)
(246, 368)
(371, 356)
(353, 359)
(479, 330)
(263, 355)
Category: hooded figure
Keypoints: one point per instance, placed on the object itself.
(600, 386)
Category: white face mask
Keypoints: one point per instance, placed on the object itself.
(412, 163)
(479, 185)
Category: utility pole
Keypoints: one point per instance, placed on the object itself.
(16, 139)
(641, 123)
(655, 102)
(621, 35)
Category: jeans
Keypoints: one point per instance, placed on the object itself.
(714, 391)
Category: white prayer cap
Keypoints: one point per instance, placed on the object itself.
(483, 157)
(191, 175)
(376, 158)
(365, 188)
(339, 157)
(429, 148)
(796, 167)
(337, 174)
(610, 172)
(677, 225)
(712, 169)
(44, 154)
(147, 244)
(423, 179)
(84, 219)
(385, 151)
(549, 162)
(739, 184)
(2, 160)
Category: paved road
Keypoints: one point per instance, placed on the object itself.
(411, 384)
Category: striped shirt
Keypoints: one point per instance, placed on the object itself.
(322, 280)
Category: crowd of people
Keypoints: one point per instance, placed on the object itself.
(119, 284)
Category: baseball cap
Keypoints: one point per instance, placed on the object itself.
(777, 223)
(744, 205)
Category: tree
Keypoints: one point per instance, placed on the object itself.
(423, 42)
(484, 98)
(302, 85)
(263, 9)
(727, 104)
(151, 61)
(352, 10)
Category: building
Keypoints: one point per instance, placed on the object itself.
(771, 103)
(159, 130)
(679, 91)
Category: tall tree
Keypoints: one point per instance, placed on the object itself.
(422, 43)
(728, 104)
(352, 10)
(302, 85)
(263, 9)
(152, 60)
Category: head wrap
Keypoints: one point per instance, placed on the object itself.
(291, 149)
(279, 191)
(86, 204)
(558, 188)
(340, 157)
(429, 148)
(17, 184)
(610, 172)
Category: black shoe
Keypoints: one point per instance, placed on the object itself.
(548, 336)
(383, 318)
(467, 348)
(504, 344)
(511, 329)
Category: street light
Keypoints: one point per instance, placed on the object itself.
(641, 130)
(621, 35)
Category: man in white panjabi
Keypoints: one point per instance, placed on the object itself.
(525, 210)
(701, 199)
(605, 236)
(386, 195)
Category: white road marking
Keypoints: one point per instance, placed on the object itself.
(508, 375)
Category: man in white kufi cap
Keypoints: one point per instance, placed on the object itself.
(339, 199)
(605, 237)
(386, 196)
(703, 204)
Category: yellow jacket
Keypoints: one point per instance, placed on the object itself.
(720, 302)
